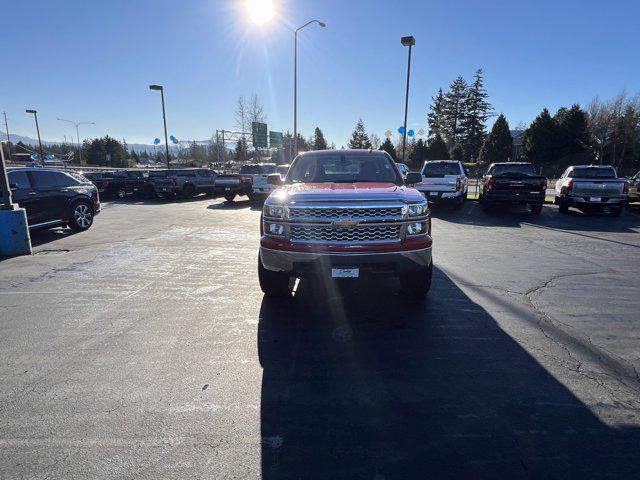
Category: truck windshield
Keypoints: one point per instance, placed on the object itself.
(504, 169)
(592, 172)
(343, 168)
(440, 169)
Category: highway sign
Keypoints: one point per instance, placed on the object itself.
(275, 139)
(259, 133)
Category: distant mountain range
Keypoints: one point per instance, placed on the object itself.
(136, 147)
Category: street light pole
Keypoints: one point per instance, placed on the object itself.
(407, 42)
(35, 114)
(164, 119)
(295, 81)
(77, 135)
(6, 126)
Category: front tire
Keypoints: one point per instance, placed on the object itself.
(121, 193)
(81, 217)
(229, 197)
(274, 284)
(536, 209)
(416, 285)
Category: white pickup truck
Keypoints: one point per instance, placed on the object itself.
(444, 181)
(591, 188)
(259, 173)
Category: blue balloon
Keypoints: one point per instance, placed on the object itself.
(156, 141)
(172, 138)
(401, 130)
(410, 133)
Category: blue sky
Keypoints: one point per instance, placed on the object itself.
(90, 60)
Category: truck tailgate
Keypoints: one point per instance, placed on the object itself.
(605, 188)
(227, 180)
(439, 184)
(524, 183)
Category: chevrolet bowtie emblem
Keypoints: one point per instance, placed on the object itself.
(345, 223)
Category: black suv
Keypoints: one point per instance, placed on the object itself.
(54, 197)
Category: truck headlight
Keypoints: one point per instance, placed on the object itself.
(275, 211)
(275, 229)
(416, 228)
(416, 209)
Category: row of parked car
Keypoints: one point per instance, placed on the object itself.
(251, 181)
(588, 188)
(58, 197)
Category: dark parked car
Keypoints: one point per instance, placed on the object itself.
(109, 184)
(513, 183)
(53, 198)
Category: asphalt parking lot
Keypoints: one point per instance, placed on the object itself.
(143, 348)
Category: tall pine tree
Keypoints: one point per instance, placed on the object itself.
(539, 144)
(498, 145)
(388, 147)
(454, 112)
(477, 111)
(437, 149)
(319, 142)
(435, 117)
(359, 137)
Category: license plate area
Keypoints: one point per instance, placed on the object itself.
(345, 272)
(595, 199)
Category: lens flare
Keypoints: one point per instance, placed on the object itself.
(260, 11)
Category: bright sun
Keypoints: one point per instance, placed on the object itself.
(260, 11)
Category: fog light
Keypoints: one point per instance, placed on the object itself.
(415, 228)
(276, 229)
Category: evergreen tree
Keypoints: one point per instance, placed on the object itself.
(437, 149)
(359, 137)
(388, 147)
(498, 145)
(477, 111)
(454, 112)
(572, 136)
(241, 151)
(419, 152)
(539, 145)
(319, 142)
(456, 152)
(435, 117)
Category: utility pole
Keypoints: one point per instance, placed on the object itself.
(35, 115)
(407, 42)
(6, 126)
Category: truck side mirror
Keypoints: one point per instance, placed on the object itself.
(274, 179)
(413, 178)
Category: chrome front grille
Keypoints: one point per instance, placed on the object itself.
(358, 234)
(330, 213)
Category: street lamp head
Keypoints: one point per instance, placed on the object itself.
(322, 24)
(408, 41)
(31, 111)
(155, 87)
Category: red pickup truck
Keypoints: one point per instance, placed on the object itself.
(345, 214)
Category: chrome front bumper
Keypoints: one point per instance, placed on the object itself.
(303, 263)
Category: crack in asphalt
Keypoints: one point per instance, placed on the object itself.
(611, 365)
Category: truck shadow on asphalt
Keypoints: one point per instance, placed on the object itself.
(360, 384)
(472, 214)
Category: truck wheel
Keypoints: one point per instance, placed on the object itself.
(615, 212)
(252, 197)
(457, 204)
(416, 285)
(274, 284)
(188, 191)
(81, 217)
(229, 197)
(536, 209)
(563, 207)
(121, 193)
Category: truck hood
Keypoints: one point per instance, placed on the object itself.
(332, 192)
